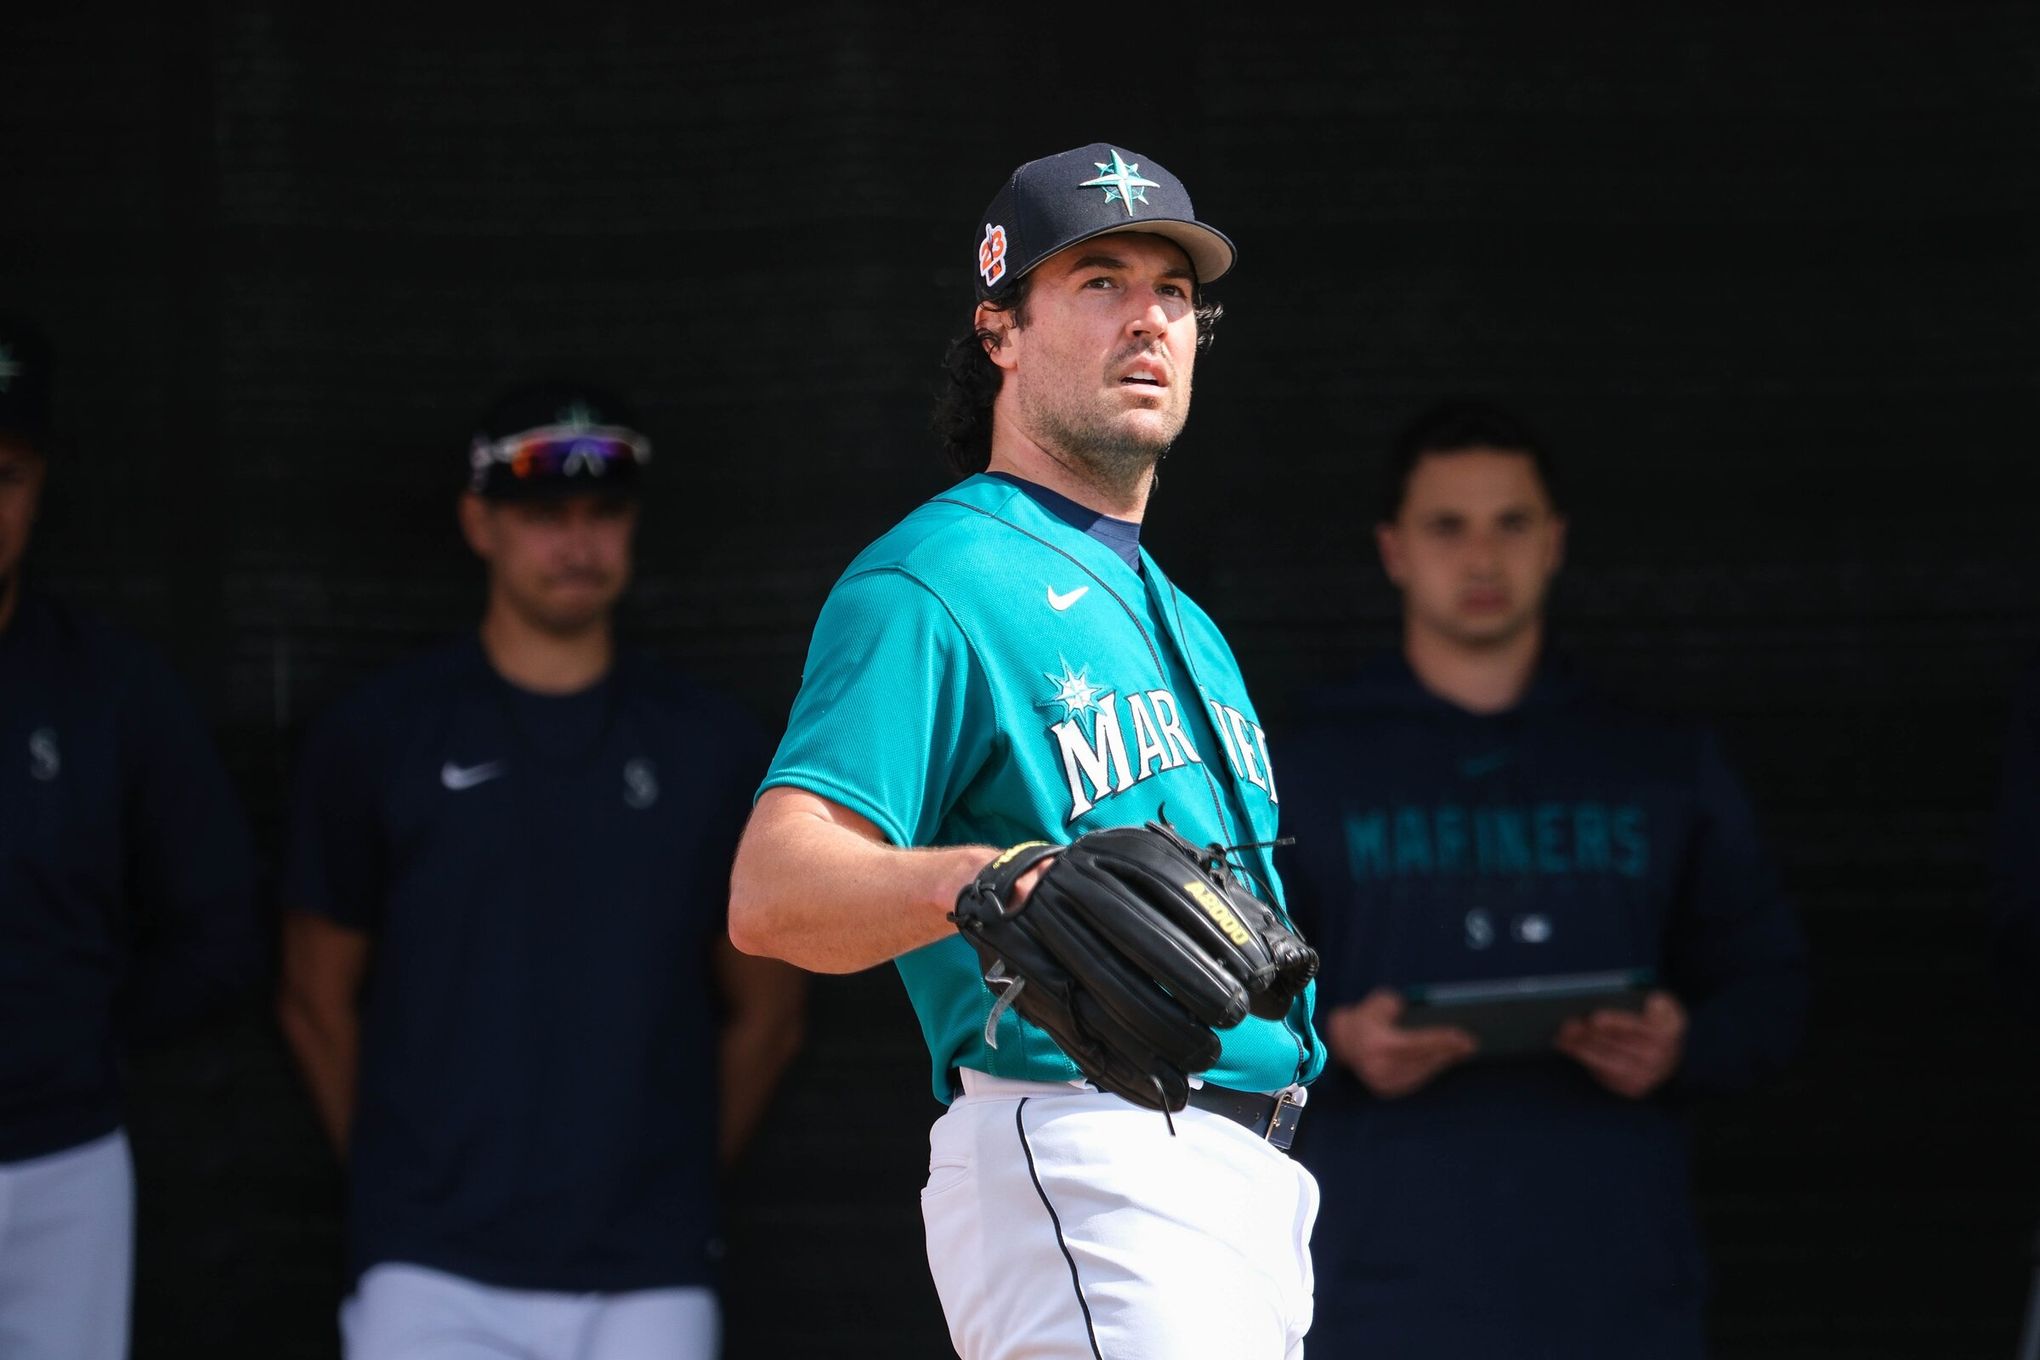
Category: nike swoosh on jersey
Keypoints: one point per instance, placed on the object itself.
(458, 777)
(1061, 602)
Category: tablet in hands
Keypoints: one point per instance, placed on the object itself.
(1510, 1016)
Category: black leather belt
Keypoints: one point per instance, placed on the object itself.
(1271, 1117)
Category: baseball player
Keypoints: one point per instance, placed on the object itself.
(506, 975)
(1468, 810)
(126, 909)
(1009, 665)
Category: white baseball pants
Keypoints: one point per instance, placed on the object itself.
(67, 1251)
(406, 1312)
(1067, 1224)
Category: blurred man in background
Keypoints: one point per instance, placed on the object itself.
(126, 908)
(1470, 811)
(506, 972)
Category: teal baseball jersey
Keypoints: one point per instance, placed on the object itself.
(986, 673)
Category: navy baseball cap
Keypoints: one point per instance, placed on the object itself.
(1057, 201)
(553, 438)
(25, 385)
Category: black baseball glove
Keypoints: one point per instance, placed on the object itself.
(1134, 948)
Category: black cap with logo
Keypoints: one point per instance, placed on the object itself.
(1057, 201)
(554, 438)
(25, 361)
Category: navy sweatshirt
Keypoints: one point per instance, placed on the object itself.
(1514, 1207)
(127, 903)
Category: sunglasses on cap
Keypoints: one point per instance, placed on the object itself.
(556, 453)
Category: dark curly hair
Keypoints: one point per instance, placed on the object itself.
(963, 406)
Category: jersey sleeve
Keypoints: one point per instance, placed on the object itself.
(191, 861)
(334, 865)
(894, 715)
(1735, 953)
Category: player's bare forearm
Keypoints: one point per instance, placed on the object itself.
(327, 1049)
(819, 886)
(317, 1008)
(752, 1063)
(764, 1021)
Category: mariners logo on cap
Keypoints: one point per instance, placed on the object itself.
(1121, 181)
(10, 368)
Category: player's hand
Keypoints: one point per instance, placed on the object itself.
(1390, 1060)
(1024, 885)
(1632, 1054)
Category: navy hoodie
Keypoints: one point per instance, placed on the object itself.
(1514, 1207)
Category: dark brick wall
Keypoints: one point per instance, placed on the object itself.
(1765, 274)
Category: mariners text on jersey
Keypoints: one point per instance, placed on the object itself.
(1582, 836)
(1099, 725)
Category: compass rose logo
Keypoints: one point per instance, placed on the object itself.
(1121, 181)
(1074, 693)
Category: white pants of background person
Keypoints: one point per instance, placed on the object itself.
(67, 1234)
(1065, 1224)
(406, 1312)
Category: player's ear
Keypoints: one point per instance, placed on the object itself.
(994, 326)
(473, 513)
(1388, 542)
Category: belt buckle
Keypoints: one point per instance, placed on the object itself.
(1281, 1131)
